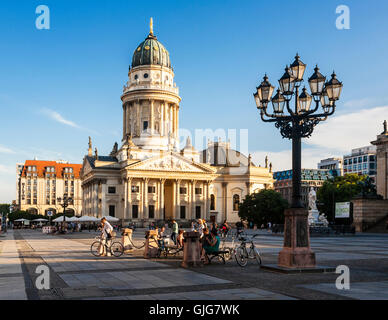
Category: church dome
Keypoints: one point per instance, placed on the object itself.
(151, 52)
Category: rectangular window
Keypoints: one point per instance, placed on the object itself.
(183, 190)
(198, 190)
(151, 189)
(151, 211)
(112, 190)
(135, 211)
(350, 161)
(183, 212)
(145, 125)
(365, 158)
(197, 212)
(355, 160)
(345, 161)
(112, 211)
(135, 189)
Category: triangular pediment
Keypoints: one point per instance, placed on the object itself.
(171, 163)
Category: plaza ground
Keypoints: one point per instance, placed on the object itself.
(76, 274)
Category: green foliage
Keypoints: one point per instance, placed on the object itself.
(4, 208)
(263, 207)
(24, 215)
(339, 189)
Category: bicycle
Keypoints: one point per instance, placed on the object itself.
(115, 247)
(242, 255)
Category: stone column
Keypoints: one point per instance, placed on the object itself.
(124, 120)
(225, 200)
(141, 203)
(174, 198)
(382, 164)
(193, 202)
(190, 206)
(145, 201)
(152, 122)
(161, 198)
(207, 199)
(178, 199)
(125, 213)
(138, 119)
(161, 126)
(129, 198)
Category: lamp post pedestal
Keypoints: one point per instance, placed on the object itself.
(296, 251)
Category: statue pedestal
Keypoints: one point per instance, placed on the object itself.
(191, 250)
(151, 246)
(296, 251)
(127, 240)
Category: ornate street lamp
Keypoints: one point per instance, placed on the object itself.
(66, 201)
(298, 123)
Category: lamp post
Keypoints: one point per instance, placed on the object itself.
(66, 201)
(297, 123)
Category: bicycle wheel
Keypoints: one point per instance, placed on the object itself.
(257, 256)
(241, 256)
(95, 249)
(117, 249)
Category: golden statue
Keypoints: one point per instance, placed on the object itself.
(152, 26)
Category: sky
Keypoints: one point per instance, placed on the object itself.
(62, 85)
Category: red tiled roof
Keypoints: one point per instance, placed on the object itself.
(59, 168)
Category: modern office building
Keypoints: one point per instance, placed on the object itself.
(332, 164)
(42, 182)
(362, 161)
(311, 178)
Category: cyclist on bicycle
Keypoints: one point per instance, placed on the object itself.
(106, 232)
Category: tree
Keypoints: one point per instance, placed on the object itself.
(5, 208)
(263, 207)
(339, 189)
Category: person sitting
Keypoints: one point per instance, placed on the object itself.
(210, 244)
(180, 238)
(161, 236)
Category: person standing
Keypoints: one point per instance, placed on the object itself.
(106, 233)
(174, 233)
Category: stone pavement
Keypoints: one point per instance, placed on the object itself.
(76, 274)
(12, 285)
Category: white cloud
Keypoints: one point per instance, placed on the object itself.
(282, 160)
(333, 138)
(57, 117)
(6, 150)
(348, 131)
(7, 169)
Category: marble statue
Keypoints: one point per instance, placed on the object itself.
(312, 199)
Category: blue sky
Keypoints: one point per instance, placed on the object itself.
(61, 85)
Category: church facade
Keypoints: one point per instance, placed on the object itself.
(148, 178)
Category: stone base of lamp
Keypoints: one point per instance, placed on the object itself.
(296, 251)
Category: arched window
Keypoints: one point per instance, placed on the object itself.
(212, 202)
(236, 202)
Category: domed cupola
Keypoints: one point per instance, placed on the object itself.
(151, 52)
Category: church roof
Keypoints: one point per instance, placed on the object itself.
(92, 160)
(151, 52)
(221, 155)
